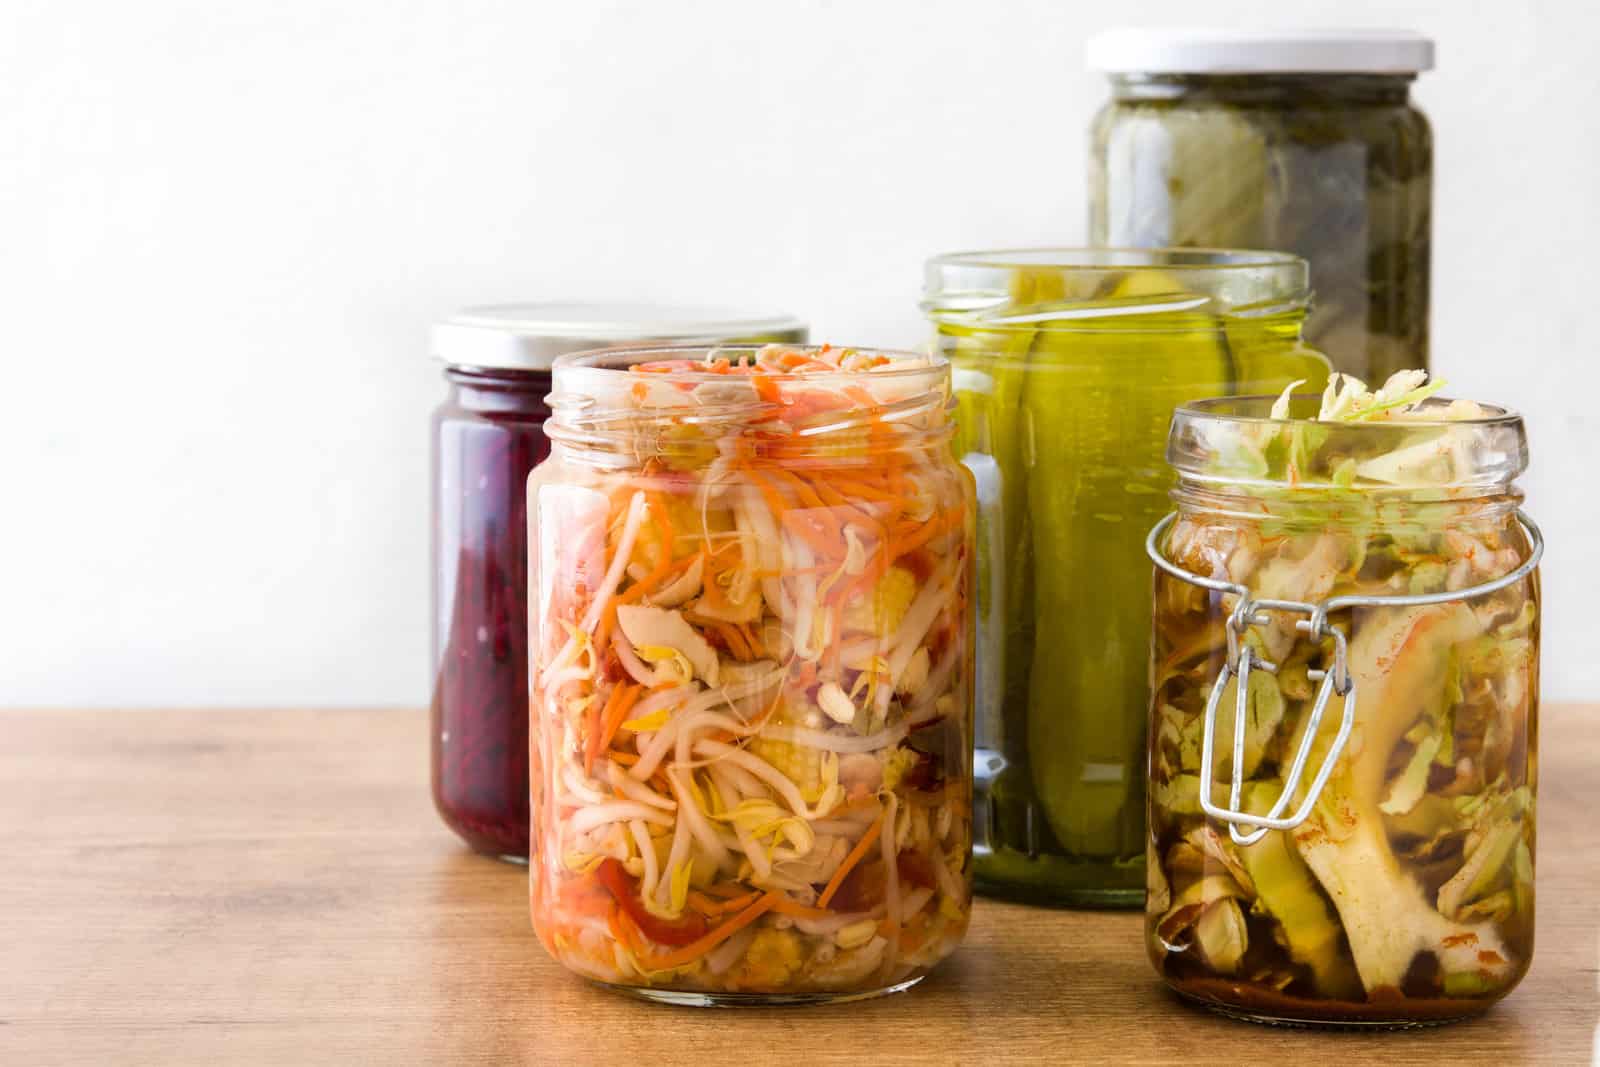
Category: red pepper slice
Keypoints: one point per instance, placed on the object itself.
(662, 931)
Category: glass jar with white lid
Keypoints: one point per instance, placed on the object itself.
(1302, 141)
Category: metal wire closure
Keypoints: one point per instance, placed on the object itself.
(1242, 659)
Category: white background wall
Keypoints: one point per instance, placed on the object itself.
(226, 226)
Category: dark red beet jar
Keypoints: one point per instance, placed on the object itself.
(488, 436)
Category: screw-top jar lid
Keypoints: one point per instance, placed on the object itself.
(1137, 50)
(531, 336)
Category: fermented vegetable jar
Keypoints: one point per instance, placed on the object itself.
(1302, 141)
(487, 435)
(1068, 363)
(752, 663)
(1347, 650)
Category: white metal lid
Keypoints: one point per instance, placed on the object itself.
(1137, 50)
(531, 336)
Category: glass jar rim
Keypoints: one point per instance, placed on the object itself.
(1224, 442)
(601, 404)
(966, 285)
(1117, 259)
(618, 361)
(1257, 408)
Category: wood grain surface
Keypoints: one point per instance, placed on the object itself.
(273, 887)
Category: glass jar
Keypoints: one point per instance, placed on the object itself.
(1068, 363)
(487, 436)
(1301, 141)
(1362, 598)
(752, 702)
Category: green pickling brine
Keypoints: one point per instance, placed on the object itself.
(1068, 365)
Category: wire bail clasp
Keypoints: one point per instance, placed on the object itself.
(1242, 659)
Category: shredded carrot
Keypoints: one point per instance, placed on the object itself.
(817, 510)
(654, 580)
(625, 759)
(798, 572)
(839, 502)
(922, 535)
(602, 631)
(863, 490)
(796, 910)
(701, 945)
(619, 925)
(596, 717)
(658, 506)
(850, 860)
(743, 900)
(836, 641)
(769, 492)
(734, 640)
(875, 569)
(829, 546)
(707, 906)
(617, 712)
(758, 647)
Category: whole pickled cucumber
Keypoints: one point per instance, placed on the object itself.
(1099, 403)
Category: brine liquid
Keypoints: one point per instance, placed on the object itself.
(1064, 430)
(1407, 896)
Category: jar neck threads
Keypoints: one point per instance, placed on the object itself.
(608, 416)
(491, 391)
(1300, 91)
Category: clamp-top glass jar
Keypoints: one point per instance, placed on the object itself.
(1068, 363)
(1347, 649)
(487, 436)
(1303, 141)
(752, 709)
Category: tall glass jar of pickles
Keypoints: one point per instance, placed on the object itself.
(1068, 364)
(1343, 735)
(1302, 141)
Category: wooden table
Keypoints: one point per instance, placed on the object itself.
(273, 887)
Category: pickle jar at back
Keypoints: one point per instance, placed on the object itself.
(1068, 364)
(752, 659)
(1303, 141)
(487, 436)
(1346, 647)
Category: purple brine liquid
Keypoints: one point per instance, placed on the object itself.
(487, 437)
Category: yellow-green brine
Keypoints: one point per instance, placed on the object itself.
(1068, 364)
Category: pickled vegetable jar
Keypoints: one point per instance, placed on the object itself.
(1068, 364)
(752, 666)
(487, 436)
(1343, 728)
(1301, 141)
